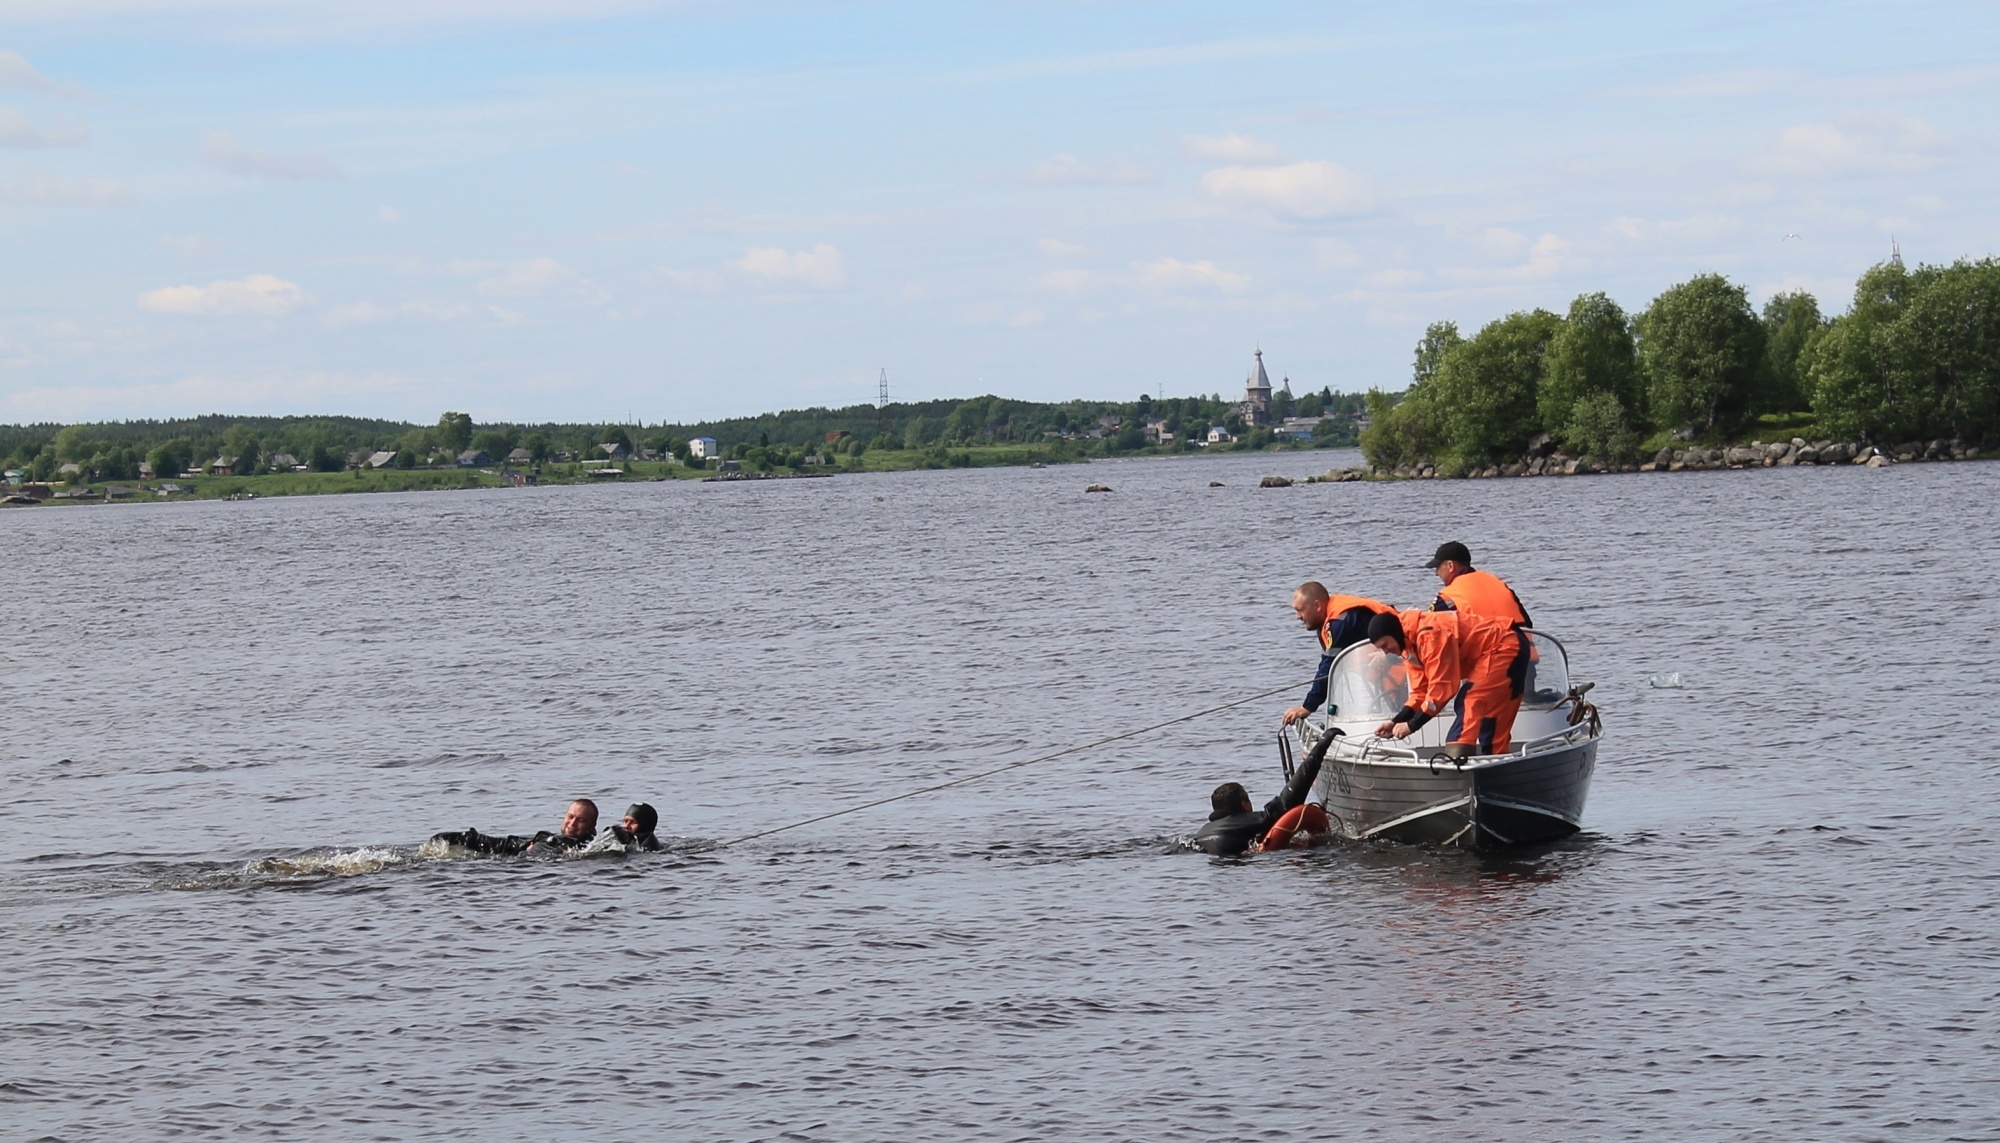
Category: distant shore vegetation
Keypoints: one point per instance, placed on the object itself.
(1915, 357)
(201, 453)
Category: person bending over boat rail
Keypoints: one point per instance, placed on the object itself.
(1444, 649)
(1234, 825)
(1340, 621)
(1469, 591)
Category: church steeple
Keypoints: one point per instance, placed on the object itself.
(1257, 393)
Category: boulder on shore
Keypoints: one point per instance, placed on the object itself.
(1275, 482)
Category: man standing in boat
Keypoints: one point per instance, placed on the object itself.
(1470, 591)
(1443, 650)
(1340, 621)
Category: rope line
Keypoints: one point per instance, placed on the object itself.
(960, 781)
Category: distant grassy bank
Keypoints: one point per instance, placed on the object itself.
(441, 479)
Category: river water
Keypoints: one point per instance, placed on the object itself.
(229, 725)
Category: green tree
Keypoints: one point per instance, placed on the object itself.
(1439, 339)
(1916, 356)
(1701, 353)
(454, 432)
(1592, 353)
(1790, 320)
(171, 458)
(1487, 387)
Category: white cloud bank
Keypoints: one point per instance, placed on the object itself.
(1311, 189)
(1070, 171)
(1858, 145)
(221, 150)
(1173, 273)
(38, 189)
(820, 267)
(1232, 148)
(259, 295)
(18, 134)
(17, 74)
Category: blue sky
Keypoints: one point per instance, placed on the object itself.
(613, 209)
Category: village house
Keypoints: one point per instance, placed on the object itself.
(613, 450)
(473, 458)
(1300, 428)
(835, 436)
(703, 448)
(1218, 435)
(222, 466)
(70, 471)
(520, 456)
(286, 462)
(1156, 433)
(382, 459)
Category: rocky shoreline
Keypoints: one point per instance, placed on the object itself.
(1544, 459)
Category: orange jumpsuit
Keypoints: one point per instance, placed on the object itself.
(1481, 593)
(1445, 648)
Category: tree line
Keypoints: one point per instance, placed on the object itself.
(114, 450)
(1916, 356)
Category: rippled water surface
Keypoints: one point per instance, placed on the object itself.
(228, 727)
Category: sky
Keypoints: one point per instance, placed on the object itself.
(628, 210)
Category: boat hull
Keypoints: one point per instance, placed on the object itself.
(1489, 803)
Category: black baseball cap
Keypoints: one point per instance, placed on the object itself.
(1453, 551)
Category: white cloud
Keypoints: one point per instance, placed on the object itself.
(371, 313)
(820, 267)
(38, 189)
(1173, 273)
(259, 295)
(1068, 170)
(1056, 248)
(1333, 254)
(1067, 281)
(1232, 148)
(1312, 189)
(17, 74)
(388, 214)
(1395, 279)
(1026, 318)
(1699, 228)
(18, 134)
(1883, 143)
(1544, 258)
(528, 278)
(223, 152)
(189, 245)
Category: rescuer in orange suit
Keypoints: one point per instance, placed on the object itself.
(1443, 649)
(1470, 591)
(1340, 621)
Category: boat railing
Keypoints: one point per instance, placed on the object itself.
(1364, 747)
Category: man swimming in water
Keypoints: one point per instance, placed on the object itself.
(636, 831)
(1236, 826)
(579, 825)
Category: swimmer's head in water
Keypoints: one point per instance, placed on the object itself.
(581, 820)
(640, 818)
(1230, 798)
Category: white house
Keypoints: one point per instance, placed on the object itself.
(1219, 435)
(703, 448)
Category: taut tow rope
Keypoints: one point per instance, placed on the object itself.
(960, 781)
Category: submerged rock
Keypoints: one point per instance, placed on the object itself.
(1275, 482)
(1098, 488)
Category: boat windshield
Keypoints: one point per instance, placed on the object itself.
(1369, 684)
(1548, 673)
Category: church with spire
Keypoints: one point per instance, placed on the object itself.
(1257, 393)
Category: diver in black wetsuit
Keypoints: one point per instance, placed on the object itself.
(1235, 827)
(578, 827)
(636, 831)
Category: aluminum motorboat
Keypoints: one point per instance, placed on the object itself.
(1410, 790)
